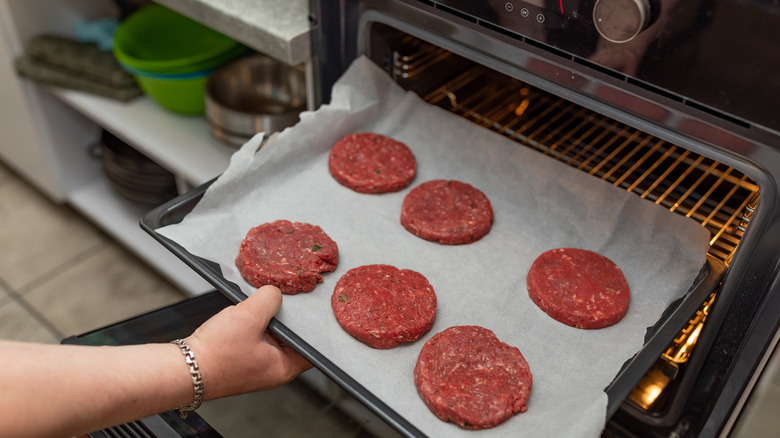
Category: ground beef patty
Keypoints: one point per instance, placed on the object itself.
(382, 306)
(579, 288)
(289, 255)
(447, 211)
(372, 163)
(465, 375)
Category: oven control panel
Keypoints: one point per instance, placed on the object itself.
(571, 25)
(720, 54)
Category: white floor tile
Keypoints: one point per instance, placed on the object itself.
(37, 236)
(108, 286)
(4, 296)
(17, 324)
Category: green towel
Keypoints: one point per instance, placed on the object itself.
(67, 63)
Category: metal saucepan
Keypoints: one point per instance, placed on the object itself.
(253, 94)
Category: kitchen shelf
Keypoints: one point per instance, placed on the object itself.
(182, 144)
(120, 219)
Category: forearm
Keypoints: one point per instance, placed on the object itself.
(65, 390)
(58, 390)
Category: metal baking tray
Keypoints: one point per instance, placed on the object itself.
(657, 338)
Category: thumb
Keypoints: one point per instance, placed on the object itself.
(263, 304)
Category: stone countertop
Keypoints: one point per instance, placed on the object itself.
(278, 28)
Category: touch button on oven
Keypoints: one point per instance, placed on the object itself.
(619, 21)
(540, 18)
(524, 12)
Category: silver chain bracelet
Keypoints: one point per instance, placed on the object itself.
(197, 379)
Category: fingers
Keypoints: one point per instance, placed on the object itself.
(290, 363)
(300, 364)
(263, 304)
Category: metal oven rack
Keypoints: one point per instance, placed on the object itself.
(715, 195)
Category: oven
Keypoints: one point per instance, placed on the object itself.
(677, 102)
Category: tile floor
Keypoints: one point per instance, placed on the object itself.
(61, 276)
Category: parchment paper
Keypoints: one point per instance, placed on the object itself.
(539, 204)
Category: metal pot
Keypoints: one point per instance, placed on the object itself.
(253, 94)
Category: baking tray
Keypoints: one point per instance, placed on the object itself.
(544, 204)
(657, 338)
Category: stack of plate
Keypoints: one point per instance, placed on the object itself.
(133, 175)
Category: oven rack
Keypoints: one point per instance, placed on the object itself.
(717, 196)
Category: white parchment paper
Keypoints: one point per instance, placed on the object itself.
(539, 204)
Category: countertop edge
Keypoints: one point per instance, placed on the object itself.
(277, 29)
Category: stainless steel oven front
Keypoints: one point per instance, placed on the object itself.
(677, 102)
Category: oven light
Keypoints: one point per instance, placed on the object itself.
(692, 340)
(680, 349)
(520, 109)
(667, 367)
(453, 99)
(652, 385)
(651, 393)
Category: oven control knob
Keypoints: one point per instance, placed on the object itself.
(619, 21)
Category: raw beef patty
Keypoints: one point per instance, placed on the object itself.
(372, 163)
(289, 255)
(382, 306)
(447, 211)
(465, 375)
(579, 288)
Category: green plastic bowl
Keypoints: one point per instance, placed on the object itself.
(181, 95)
(159, 40)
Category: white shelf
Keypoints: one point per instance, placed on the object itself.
(182, 144)
(120, 219)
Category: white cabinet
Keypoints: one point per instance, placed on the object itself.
(47, 132)
(42, 138)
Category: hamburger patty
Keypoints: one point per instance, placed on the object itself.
(465, 375)
(579, 288)
(289, 255)
(447, 211)
(382, 306)
(372, 163)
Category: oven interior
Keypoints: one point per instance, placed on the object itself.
(719, 197)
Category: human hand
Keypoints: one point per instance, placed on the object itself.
(235, 353)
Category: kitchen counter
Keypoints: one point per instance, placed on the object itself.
(279, 29)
